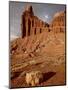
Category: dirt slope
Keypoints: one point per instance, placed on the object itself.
(44, 52)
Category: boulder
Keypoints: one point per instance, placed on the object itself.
(33, 78)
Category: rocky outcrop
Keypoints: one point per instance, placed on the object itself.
(58, 22)
(30, 24)
(34, 78)
(32, 58)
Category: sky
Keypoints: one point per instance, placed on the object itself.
(43, 11)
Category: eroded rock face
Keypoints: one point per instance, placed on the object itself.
(29, 10)
(58, 22)
(30, 24)
(40, 50)
(34, 78)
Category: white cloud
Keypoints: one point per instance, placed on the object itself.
(46, 16)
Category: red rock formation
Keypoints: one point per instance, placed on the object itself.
(58, 22)
(44, 52)
(30, 24)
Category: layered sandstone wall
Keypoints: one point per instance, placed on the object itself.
(58, 23)
(30, 24)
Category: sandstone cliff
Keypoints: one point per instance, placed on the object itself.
(58, 23)
(41, 48)
(31, 24)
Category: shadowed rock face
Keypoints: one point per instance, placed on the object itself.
(30, 24)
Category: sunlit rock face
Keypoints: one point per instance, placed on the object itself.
(58, 22)
(30, 24)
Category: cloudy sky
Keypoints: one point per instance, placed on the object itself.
(43, 11)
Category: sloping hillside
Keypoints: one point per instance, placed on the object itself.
(44, 52)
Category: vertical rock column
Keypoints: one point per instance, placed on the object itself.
(34, 26)
(27, 26)
(26, 21)
(23, 27)
(31, 27)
